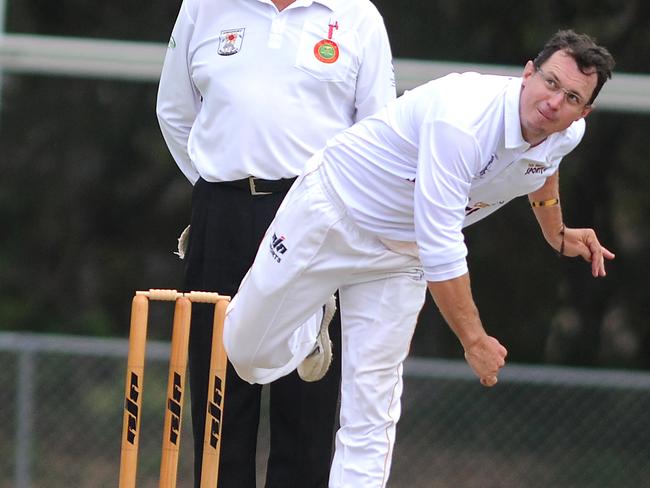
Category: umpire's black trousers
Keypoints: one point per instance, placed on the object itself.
(227, 226)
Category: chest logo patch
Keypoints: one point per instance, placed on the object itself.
(230, 41)
(535, 169)
(326, 50)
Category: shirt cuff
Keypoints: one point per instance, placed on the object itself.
(446, 271)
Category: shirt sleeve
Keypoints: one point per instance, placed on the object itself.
(376, 77)
(178, 99)
(447, 160)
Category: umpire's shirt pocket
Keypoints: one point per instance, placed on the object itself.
(323, 61)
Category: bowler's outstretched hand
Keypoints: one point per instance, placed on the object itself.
(583, 242)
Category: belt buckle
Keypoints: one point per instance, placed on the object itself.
(251, 184)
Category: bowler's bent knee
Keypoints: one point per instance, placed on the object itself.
(252, 362)
(250, 367)
(234, 342)
(264, 353)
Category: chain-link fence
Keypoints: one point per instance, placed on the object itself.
(61, 410)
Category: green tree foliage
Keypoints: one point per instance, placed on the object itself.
(91, 202)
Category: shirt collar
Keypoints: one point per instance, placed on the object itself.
(330, 4)
(514, 139)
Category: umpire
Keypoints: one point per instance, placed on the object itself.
(248, 91)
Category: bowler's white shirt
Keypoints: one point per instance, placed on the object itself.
(243, 92)
(439, 158)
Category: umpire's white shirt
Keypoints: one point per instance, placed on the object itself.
(245, 90)
(441, 157)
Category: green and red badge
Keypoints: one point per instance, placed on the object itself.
(326, 50)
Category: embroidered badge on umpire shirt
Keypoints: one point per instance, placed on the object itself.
(326, 50)
(230, 41)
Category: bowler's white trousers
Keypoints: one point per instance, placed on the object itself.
(311, 249)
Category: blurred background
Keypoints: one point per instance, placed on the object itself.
(91, 204)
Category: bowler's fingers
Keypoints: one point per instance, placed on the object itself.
(489, 381)
(598, 255)
(607, 253)
(486, 356)
(503, 352)
(490, 378)
(598, 266)
(593, 252)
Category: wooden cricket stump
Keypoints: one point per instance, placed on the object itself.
(175, 386)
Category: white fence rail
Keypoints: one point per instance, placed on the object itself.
(142, 61)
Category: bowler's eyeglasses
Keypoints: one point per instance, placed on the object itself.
(553, 85)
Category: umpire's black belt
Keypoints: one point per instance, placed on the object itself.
(258, 186)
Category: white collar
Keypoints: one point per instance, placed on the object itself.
(330, 4)
(514, 139)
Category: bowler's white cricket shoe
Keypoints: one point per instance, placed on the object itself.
(314, 366)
